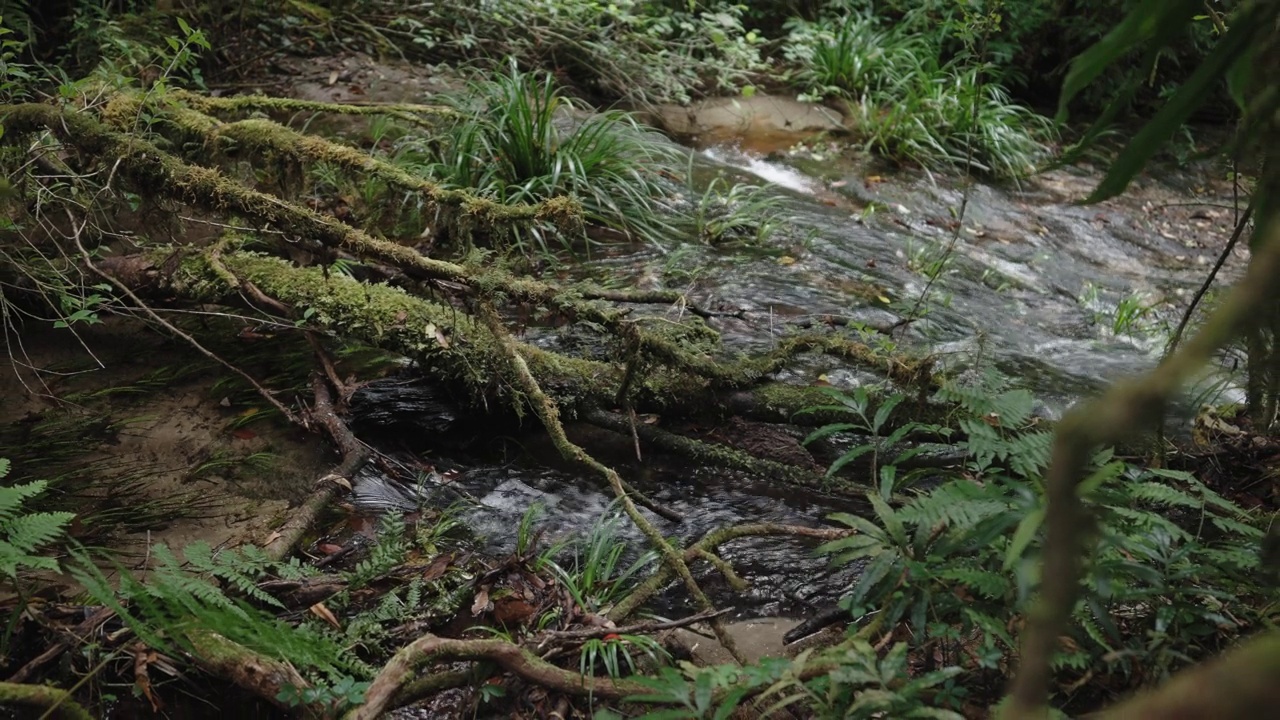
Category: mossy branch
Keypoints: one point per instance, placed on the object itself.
(414, 114)
(460, 210)
(54, 703)
(549, 413)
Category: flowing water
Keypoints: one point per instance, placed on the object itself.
(1036, 284)
(1059, 297)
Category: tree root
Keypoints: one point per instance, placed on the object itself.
(512, 658)
(256, 673)
(428, 685)
(354, 454)
(76, 635)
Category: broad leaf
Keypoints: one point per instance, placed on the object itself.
(1153, 21)
(1156, 133)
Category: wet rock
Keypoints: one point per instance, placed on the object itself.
(756, 638)
(766, 122)
(398, 405)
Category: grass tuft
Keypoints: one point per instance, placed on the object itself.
(908, 104)
(519, 141)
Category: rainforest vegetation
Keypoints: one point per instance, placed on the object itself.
(299, 296)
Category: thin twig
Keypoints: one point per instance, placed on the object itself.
(1241, 224)
(644, 628)
(88, 260)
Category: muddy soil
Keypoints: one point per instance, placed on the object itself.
(188, 442)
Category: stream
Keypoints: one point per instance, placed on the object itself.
(1037, 287)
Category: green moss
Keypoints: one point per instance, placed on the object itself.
(459, 210)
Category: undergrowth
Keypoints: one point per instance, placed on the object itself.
(948, 563)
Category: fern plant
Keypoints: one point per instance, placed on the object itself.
(861, 685)
(175, 608)
(23, 534)
(1176, 563)
(857, 404)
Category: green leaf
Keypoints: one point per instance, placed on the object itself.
(1157, 132)
(1153, 21)
(829, 430)
(888, 475)
(849, 457)
(1022, 537)
(882, 413)
(1240, 77)
(889, 519)
(730, 701)
(702, 689)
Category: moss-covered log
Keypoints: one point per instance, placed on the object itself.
(450, 343)
(452, 346)
(663, 367)
(155, 173)
(43, 699)
(458, 210)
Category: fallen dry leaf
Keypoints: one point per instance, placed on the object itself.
(142, 660)
(325, 614)
(481, 602)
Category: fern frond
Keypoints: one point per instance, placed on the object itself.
(959, 504)
(985, 582)
(13, 497)
(35, 530)
(1161, 494)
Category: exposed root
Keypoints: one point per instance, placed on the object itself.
(428, 685)
(76, 636)
(256, 673)
(512, 658)
(354, 454)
